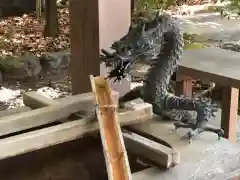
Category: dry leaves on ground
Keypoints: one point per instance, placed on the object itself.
(22, 34)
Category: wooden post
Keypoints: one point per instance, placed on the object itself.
(95, 24)
(183, 85)
(229, 112)
(84, 19)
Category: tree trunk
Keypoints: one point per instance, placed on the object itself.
(38, 9)
(51, 19)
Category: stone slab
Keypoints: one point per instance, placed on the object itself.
(205, 158)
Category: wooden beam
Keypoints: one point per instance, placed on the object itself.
(65, 132)
(45, 115)
(229, 112)
(84, 25)
(36, 100)
(153, 152)
(113, 146)
(9, 112)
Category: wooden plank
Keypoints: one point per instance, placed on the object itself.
(113, 146)
(14, 111)
(229, 112)
(35, 100)
(65, 132)
(151, 151)
(45, 115)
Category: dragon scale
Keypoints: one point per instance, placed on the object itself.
(159, 42)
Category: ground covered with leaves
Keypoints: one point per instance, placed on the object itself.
(24, 34)
(19, 35)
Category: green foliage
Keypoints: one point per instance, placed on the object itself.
(231, 8)
(9, 62)
(141, 5)
(194, 45)
(190, 42)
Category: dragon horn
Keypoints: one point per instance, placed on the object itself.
(158, 13)
(143, 28)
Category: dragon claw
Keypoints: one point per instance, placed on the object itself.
(193, 133)
(195, 130)
(189, 138)
(220, 133)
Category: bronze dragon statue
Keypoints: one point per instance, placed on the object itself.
(159, 41)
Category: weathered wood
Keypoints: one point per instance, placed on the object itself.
(183, 85)
(229, 112)
(14, 111)
(65, 132)
(113, 146)
(45, 115)
(35, 100)
(155, 153)
(84, 18)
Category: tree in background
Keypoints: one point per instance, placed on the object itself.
(141, 5)
(51, 26)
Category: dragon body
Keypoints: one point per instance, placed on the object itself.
(159, 42)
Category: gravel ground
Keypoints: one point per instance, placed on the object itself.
(12, 89)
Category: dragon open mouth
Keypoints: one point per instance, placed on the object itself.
(143, 41)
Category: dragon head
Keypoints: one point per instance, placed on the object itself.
(144, 40)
